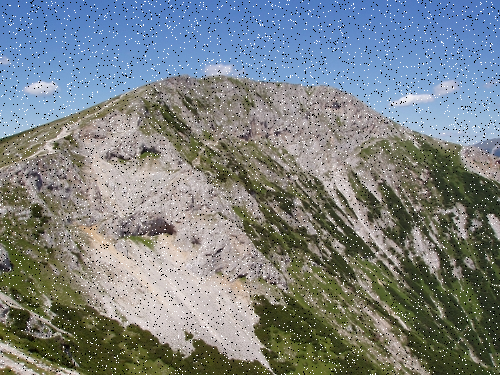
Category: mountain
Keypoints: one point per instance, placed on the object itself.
(222, 225)
(491, 145)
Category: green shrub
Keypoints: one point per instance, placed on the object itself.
(36, 211)
(18, 319)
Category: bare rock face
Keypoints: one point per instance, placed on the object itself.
(5, 265)
(222, 247)
(214, 246)
(140, 224)
(131, 148)
(58, 176)
(122, 185)
(481, 162)
(4, 312)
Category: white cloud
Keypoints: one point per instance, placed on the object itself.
(4, 60)
(41, 88)
(411, 98)
(222, 70)
(446, 87)
(492, 83)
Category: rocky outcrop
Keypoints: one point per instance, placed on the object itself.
(5, 265)
(222, 247)
(140, 224)
(481, 162)
(128, 149)
(59, 176)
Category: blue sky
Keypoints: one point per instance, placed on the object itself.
(430, 65)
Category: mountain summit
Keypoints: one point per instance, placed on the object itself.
(195, 226)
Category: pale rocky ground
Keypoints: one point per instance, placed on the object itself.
(481, 162)
(155, 289)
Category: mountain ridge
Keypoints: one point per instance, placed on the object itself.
(490, 145)
(369, 236)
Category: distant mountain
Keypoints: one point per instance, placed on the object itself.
(491, 145)
(227, 226)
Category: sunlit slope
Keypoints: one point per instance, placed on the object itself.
(247, 227)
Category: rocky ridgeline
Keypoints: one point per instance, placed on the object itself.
(172, 206)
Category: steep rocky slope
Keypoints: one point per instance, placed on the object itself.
(223, 224)
(491, 146)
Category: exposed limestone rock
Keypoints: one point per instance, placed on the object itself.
(460, 218)
(481, 162)
(39, 329)
(131, 148)
(5, 264)
(469, 263)
(169, 297)
(4, 312)
(495, 224)
(457, 270)
(139, 224)
(220, 246)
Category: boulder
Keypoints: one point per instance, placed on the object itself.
(138, 224)
(5, 264)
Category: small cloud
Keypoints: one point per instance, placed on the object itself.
(492, 83)
(4, 60)
(222, 70)
(446, 87)
(411, 98)
(41, 88)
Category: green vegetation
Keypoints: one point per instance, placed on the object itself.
(403, 219)
(190, 104)
(32, 275)
(7, 371)
(447, 174)
(144, 240)
(276, 234)
(441, 360)
(207, 360)
(314, 345)
(363, 194)
(20, 146)
(248, 104)
(71, 140)
(469, 305)
(454, 182)
(99, 345)
(241, 84)
(149, 154)
(170, 119)
(18, 319)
